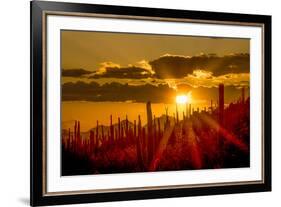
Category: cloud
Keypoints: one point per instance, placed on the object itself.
(104, 65)
(145, 65)
(130, 72)
(162, 93)
(81, 91)
(178, 66)
(196, 79)
(75, 72)
(206, 79)
(170, 67)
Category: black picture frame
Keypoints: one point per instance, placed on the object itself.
(37, 127)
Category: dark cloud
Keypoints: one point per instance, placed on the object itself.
(131, 72)
(75, 72)
(114, 91)
(172, 66)
(231, 94)
(81, 91)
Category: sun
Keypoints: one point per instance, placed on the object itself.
(183, 98)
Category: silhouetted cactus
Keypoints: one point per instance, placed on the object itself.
(111, 131)
(149, 131)
(139, 146)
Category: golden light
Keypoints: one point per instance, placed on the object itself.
(183, 98)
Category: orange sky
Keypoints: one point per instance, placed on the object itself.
(82, 49)
(95, 65)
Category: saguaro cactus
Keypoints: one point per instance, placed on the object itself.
(149, 131)
(221, 118)
(78, 130)
(138, 146)
(75, 134)
(167, 122)
(111, 130)
(97, 135)
(135, 130)
(221, 104)
(102, 133)
(92, 141)
(126, 125)
(119, 128)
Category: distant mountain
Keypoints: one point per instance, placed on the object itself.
(106, 129)
(131, 124)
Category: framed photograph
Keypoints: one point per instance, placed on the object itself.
(139, 103)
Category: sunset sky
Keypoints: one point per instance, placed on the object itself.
(107, 74)
(96, 66)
